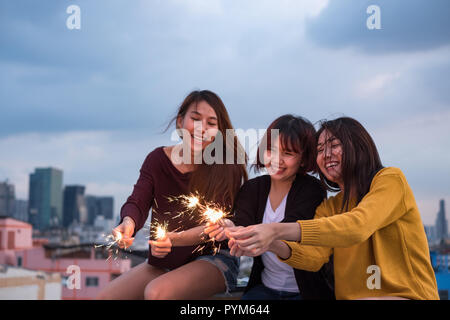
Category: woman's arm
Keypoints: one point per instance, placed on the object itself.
(256, 239)
(140, 201)
(188, 237)
(382, 205)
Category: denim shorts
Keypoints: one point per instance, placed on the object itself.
(228, 266)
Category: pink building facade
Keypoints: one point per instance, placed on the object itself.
(17, 248)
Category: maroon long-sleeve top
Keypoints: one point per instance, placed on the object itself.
(158, 181)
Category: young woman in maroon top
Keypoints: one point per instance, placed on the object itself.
(173, 269)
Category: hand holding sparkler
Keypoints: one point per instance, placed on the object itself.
(235, 250)
(252, 240)
(162, 245)
(216, 230)
(123, 233)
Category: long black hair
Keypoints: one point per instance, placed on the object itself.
(360, 158)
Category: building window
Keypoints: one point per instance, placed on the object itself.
(64, 280)
(91, 281)
(19, 261)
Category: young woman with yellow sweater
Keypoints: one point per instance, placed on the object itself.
(372, 226)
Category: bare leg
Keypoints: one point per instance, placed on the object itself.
(196, 280)
(130, 285)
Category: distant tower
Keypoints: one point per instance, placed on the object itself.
(441, 222)
(7, 199)
(99, 206)
(74, 206)
(45, 198)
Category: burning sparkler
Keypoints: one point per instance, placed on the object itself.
(213, 215)
(111, 240)
(159, 230)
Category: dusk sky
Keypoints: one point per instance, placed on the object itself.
(95, 101)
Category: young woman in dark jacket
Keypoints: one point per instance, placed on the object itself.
(288, 193)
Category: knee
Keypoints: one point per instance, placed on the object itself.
(155, 290)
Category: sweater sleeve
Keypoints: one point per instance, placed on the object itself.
(382, 205)
(140, 201)
(310, 258)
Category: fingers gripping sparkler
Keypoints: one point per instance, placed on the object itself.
(112, 244)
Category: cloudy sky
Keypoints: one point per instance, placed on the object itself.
(95, 101)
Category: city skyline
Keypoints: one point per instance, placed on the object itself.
(54, 204)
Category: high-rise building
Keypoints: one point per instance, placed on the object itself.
(7, 199)
(74, 206)
(430, 231)
(45, 198)
(99, 206)
(106, 207)
(21, 212)
(92, 209)
(441, 223)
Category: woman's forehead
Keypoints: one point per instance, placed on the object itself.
(288, 143)
(326, 137)
(202, 108)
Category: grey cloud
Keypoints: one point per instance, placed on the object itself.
(406, 25)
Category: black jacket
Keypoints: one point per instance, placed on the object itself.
(305, 195)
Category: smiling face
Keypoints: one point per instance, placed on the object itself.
(329, 157)
(282, 163)
(200, 124)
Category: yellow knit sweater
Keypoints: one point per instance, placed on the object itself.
(385, 230)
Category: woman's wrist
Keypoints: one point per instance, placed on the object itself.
(286, 231)
(281, 249)
(129, 220)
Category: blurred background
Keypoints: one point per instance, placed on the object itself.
(88, 87)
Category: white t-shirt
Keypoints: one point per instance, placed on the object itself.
(276, 274)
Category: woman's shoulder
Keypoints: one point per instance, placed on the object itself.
(387, 173)
(154, 158)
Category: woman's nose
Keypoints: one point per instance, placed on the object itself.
(199, 127)
(327, 153)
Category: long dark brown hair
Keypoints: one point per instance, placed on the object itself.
(217, 182)
(295, 133)
(360, 158)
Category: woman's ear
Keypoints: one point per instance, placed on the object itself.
(179, 126)
(179, 122)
